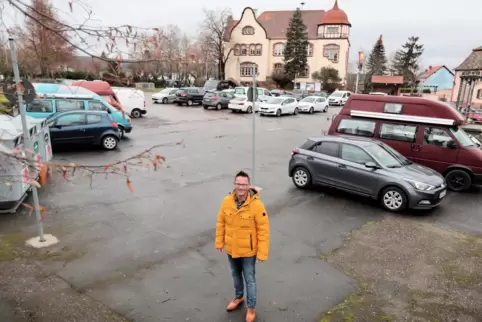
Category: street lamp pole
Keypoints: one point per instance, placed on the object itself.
(358, 70)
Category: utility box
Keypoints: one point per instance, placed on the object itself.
(15, 174)
(40, 142)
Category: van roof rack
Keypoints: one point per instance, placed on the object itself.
(64, 95)
(403, 118)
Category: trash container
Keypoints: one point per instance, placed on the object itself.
(15, 174)
(37, 136)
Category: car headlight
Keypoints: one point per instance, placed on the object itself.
(420, 185)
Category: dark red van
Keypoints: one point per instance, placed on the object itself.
(425, 131)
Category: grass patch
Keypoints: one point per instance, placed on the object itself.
(152, 90)
(404, 268)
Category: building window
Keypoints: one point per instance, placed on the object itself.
(259, 50)
(237, 50)
(278, 68)
(247, 69)
(331, 52)
(398, 132)
(278, 49)
(479, 94)
(248, 30)
(252, 50)
(333, 30)
(244, 50)
(310, 50)
(305, 73)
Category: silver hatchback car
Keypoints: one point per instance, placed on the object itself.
(366, 167)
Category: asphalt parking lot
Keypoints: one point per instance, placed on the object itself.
(149, 255)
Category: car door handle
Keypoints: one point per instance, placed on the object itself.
(342, 166)
(310, 158)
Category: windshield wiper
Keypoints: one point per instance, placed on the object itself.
(394, 166)
(407, 162)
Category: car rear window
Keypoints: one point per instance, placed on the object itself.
(307, 145)
(181, 91)
(210, 94)
(240, 91)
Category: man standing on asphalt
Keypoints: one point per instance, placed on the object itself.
(243, 228)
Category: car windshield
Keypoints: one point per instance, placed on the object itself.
(166, 90)
(387, 156)
(276, 101)
(181, 91)
(463, 138)
(336, 94)
(308, 99)
(240, 91)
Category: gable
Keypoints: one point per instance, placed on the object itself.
(276, 22)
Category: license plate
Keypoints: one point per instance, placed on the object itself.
(442, 194)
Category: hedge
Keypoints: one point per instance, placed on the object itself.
(414, 90)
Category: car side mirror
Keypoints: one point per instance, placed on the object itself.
(451, 144)
(58, 126)
(108, 111)
(371, 165)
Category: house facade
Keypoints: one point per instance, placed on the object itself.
(258, 42)
(437, 78)
(472, 64)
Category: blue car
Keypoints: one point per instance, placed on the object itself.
(83, 127)
(57, 98)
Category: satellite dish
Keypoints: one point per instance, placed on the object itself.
(10, 91)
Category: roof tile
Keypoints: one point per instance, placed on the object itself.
(473, 61)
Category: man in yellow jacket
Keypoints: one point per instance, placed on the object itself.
(243, 229)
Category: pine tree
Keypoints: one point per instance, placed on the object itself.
(377, 63)
(296, 50)
(406, 60)
(45, 39)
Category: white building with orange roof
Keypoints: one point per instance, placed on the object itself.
(258, 41)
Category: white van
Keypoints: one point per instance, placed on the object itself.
(263, 93)
(339, 98)
(132, 100)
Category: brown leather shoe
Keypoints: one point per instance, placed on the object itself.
(251, 315)
(234, 304)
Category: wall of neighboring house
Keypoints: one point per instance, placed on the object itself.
(476, 97)
(442, 78)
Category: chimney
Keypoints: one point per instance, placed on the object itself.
(429, 67)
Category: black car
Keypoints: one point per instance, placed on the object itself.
(84, 127)
(189, 96)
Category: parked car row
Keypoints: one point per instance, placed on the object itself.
(404, 152)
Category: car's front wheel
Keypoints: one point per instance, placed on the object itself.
(278, 112)
(295, 111)
(301, 177)
(249, 110)
(164, 100)
(109, 142)
(458, 180)
(394, 199)
(311, 110)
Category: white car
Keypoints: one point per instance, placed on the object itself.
(339, 98)
(263, 94)
(278, 106)
(132, 100)
(313, 104)
(241, 104)
(166, 96)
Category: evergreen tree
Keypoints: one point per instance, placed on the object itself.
(406, 60)
(296, 50)
(377, 63)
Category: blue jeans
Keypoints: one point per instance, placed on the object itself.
(244, 266)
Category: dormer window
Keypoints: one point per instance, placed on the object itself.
(248, 30)
(332, 30)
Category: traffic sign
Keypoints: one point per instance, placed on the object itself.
(35, 147)
(10, 91)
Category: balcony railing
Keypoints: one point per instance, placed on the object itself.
(333, 35)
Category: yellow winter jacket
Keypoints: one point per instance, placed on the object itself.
(244, 231)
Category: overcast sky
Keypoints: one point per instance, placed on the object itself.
(449, 29)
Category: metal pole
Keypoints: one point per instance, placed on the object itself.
(357, 80)
(459, 94)
(467, 82)
(255, 98)
(26, 134)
